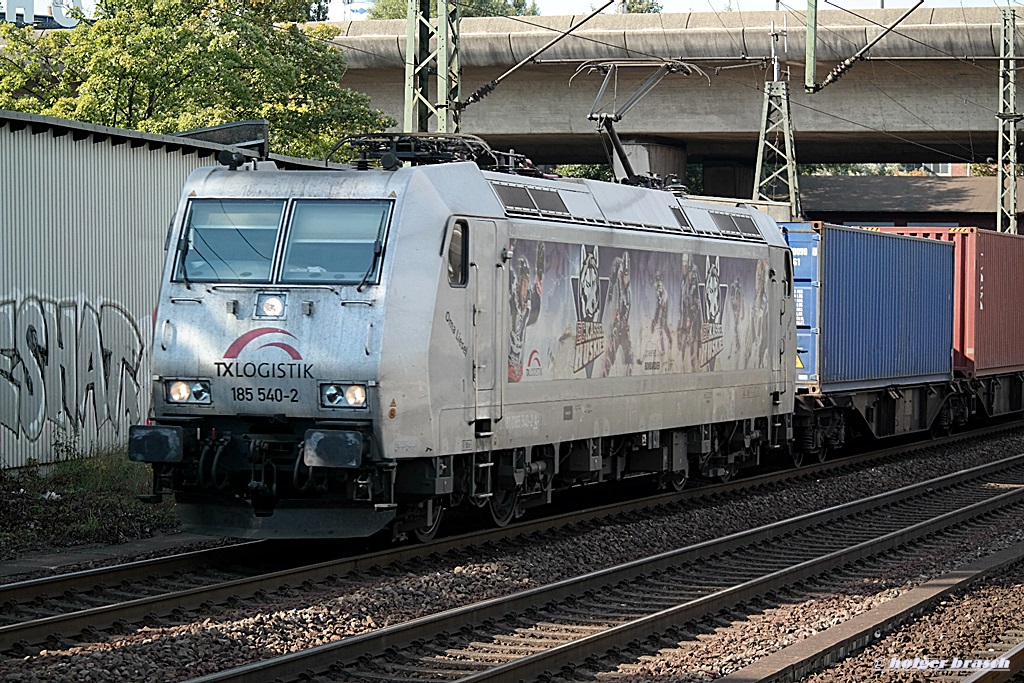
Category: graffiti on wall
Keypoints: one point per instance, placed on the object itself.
(71, 363)
(583, 311)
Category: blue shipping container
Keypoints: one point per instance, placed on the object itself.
(873, 309)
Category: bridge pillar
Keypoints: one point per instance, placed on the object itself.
(728, 178)
(647, 156)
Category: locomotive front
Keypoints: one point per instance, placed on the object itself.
(266, 355)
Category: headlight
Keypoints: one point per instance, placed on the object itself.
(343, 395)
(180, 391)
(200, 393)
(188, 391)
(273, 307)
(355, 395)
(331, 394)
(270, 305)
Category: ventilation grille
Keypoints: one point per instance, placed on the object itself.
(530, 200)
(539, 202)
(732, 225)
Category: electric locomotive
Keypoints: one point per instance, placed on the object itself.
(342, 352)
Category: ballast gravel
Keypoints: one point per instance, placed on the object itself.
(964, 627)
(734, 643)
(300, 618)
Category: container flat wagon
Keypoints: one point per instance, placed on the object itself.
(874, 316)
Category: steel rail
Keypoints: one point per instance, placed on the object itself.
(823, 649)
(153, 607)
(619, 636)
(1016, 657)
(87, 579)
(302, 663)
(130, 571)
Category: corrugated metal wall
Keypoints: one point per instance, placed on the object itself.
(887, 309)
(998, 315)
(987, 315)
(82, 225)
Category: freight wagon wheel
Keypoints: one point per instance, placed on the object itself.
(502, 506)
(943, 424)
(427, 533)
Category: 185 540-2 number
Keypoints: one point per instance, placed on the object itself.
(265, 395)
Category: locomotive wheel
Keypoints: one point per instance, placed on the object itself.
(427, 533)
(502, 506)
(823, 454)
(730, 472)
(677, 480)
(796, 456)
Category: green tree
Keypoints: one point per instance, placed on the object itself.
(695, 178)
(694, 174)
(165, 66)
(588, 171)
(834, 169)
(643, 7)
(397, 9)
(854, 169)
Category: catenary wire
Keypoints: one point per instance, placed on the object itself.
(722, 22)
(757, 89)
(331, 42)
(896, 65)
(912, 39)
(895, 136)
(641, 53)
(873, 83)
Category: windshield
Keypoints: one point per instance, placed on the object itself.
(328, 241)
(334, 240)
(229, 241)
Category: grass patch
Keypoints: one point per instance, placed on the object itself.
(77, 501)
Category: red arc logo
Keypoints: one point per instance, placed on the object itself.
(243, 341)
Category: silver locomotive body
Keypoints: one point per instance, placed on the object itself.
(340, 352)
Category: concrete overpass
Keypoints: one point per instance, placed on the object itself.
(928, 92)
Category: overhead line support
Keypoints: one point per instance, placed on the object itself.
(421, 62)
(775, 169)
(1006, 211)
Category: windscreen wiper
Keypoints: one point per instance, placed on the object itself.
(377, 248)
(183, 249)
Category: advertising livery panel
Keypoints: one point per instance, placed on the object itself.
(581, 311)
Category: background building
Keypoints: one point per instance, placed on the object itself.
(916, 201)
(84, 220)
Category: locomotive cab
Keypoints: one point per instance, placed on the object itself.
(266, 357)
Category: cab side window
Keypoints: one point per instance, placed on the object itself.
(789, 274)
(458, 253)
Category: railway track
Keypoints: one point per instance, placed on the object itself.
(872, 629)
(1011, 647)
(554, 627)
(55, 611)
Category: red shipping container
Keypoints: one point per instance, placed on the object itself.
(988, 316)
